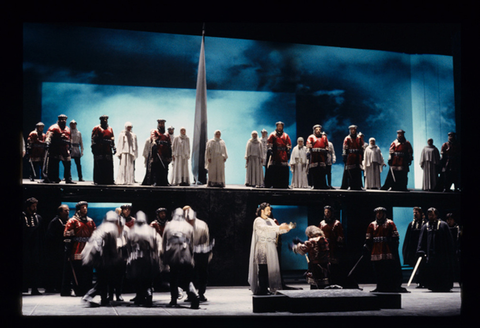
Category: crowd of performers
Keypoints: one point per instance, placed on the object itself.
(174, 253)
(430, 244)
(164, 252)
(269, 158)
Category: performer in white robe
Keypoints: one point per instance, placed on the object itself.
(429, 162)
(373, 164)
(127, 152)
(180, 156)
(299, 165)
(264, 264)
(215, 158)
(255, 157)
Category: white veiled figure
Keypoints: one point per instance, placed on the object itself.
(215, 157)
(254, 155)
(429, 162)
(181, 156)
(373, 164)
(298, 165)
(127, 152)
(263, 250)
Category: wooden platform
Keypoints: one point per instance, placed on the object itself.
(325, 300)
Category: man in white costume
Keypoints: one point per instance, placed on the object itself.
(430, 162)
(298, 165)
(264, 267)
(373, 164)
(255, 157)
(180, 157)
(215, 158)
(127, 152)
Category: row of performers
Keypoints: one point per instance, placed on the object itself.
(158, 254)
(431, 242)
(125, 245)
(309, 162)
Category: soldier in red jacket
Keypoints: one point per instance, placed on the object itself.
(278, 145)
(399, 160)
(317, 144)
(382, 240)
(36, 150)
(159, 156)
(103, 149)
(77, 231)
(57, 143)
(352, 157)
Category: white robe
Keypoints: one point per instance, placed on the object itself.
(181, 151)
(373, 165)
(127, 152)
(298, 166)
(263, 250)
(254, 154)
(429, 161)
(216, 152)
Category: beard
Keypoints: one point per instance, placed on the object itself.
(161, 129)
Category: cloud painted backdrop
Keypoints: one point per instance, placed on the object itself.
(142, 76)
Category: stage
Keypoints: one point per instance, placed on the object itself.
(230, 212)
(235, 303)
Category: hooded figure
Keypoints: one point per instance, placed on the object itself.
(298, 165)
(180, 157)
(255, 157)
(178, 254)
(143, 258)
(102, 253)
(127, 152)
(373, 164)
(215, 158)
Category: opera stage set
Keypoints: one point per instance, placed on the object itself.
(381, 78)
(230, 212)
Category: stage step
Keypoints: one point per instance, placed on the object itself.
(325, 300)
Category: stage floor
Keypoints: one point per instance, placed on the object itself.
(237, 301)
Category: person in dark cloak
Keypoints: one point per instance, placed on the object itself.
(33, 239)
(410, 243)
(436, 248)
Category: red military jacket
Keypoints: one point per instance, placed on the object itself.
(317, 248)
(158, 227)
(401, 154)
(164, 145)
(450, 156)
(383, 236)
(37, 144)
(318, 152)
(334, 234)
(59, 141)
(280, 146)
(353, 149)
(82, 232)
(102, 140)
